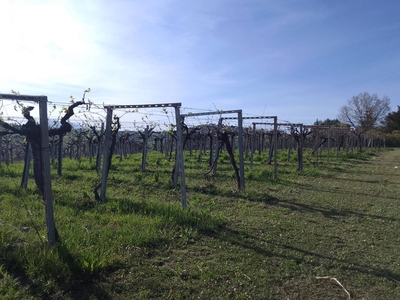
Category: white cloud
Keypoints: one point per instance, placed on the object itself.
(197, 53)
(44, 42)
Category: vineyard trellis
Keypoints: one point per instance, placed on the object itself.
(323, 137)
(275, 138)
(241, 182)
(179, 147)
(45, 159)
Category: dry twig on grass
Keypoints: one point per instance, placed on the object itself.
(337, 281)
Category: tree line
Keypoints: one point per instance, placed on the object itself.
(369, 114)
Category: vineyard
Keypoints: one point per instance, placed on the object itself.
(215, 205)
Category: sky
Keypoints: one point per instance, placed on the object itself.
(298, 60)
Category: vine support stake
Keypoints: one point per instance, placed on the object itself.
(276, 147)
(329, 144)
(105, 154)
(48, 194)
(253, 145)
(241, 159)
(180, 156)
(300, 152)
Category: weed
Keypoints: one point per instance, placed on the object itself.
(188, 235)
(92, 262)
(156, 177)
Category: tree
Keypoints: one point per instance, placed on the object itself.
(328, 122)
(364, 111)
(392, 121)
(393, 139)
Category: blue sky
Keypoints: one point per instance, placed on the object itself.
(299, 60)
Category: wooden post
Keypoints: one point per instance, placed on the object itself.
(179, 166)
(337, 139)
(177, 159)
(276, 149)
(202, 144)
(253, 145)
(317, 150)
(106, 153)
(241, 159)
(262, 143)
(45, 152)
(60, 153)
(329, 143)
(210, 159)
(144, 154)
(300, 152)
(99, 144)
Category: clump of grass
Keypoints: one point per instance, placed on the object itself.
(11, 288)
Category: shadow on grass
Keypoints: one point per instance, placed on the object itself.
(346, 193)
(212, 189)
(83, 284)
(171, 213)
(338, 190)
(77, 284)
(328, 213)
(360, 181)
(12, 264)
(280, 250)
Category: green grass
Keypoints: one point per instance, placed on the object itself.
(271, 241)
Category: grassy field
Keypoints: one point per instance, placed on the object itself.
(300, 236)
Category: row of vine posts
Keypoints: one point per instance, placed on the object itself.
(43, 143)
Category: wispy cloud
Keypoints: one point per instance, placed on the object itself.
(302, 56)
